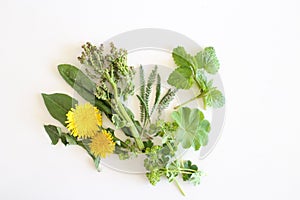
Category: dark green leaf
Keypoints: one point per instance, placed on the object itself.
(58, 105)
(181, 78)
(53, 132)
(188, 167)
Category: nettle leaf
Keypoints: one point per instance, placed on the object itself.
(208, 60)
(181, 57)
(181, 78)
(192, 129)
(214, 98)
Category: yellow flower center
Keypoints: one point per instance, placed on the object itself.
(84, 121)
(102, 144)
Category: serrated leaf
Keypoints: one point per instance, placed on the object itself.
(214, 98)
(181, 78)
(192, 130)
(181, 57)
(59, 105)
(208, 60)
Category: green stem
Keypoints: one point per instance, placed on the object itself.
(188, 101)
(178, 186)
(126, 117)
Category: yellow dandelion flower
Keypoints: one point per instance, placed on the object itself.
(102, 144)
(83, 121)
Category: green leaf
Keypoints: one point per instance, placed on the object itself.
(181, 57)
(83, 86)
(196, 177)
(193, 128)
(53, 132)
(208, 60)
(58, 105)
(201, 79)
(145, 107)
(181, 78)
(188, 166)
(157, 93)
(118, 121)
(97, 163)
(214, 98)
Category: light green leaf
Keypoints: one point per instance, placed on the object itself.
(118, 122)
(201, 79)
(196, 178)
(193, 128)
(181, 78)
(58, 105)
(181, 57)
(214, 98)
(208, 60)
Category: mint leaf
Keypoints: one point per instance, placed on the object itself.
(181, 57)
(208, 60)
(192, 129)
(181, 78)
(214, 98)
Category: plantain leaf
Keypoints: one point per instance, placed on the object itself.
(83, 86)
(58, 105)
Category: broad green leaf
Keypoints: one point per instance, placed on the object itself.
(181, 78)
(58, 105)
(181, 57)
(53, 132)
(214, 98)
(208, 60)
(193, 128)
(83, 86)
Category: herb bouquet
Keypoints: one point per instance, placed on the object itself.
(107, 82)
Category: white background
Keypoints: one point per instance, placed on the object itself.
(258, 46)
